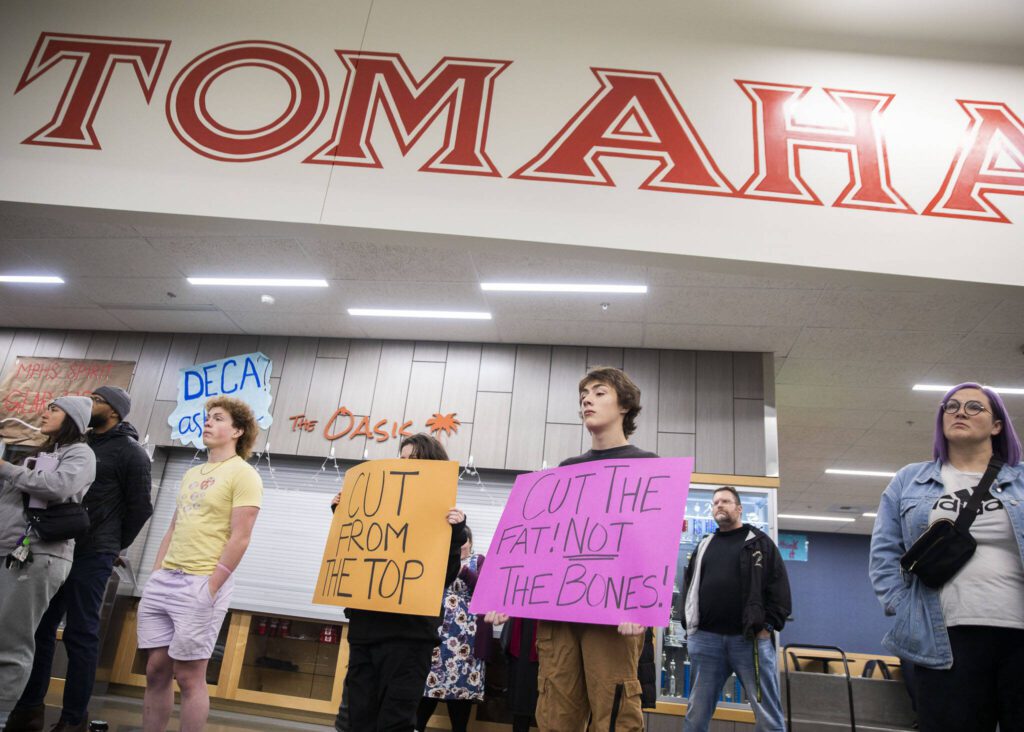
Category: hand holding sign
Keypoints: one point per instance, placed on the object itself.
(387, 549)
(594, 542)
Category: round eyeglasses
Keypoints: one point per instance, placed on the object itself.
(971, 408)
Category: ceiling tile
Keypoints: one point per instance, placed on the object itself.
(17, 226)
(1007, 317)
(848, 372)
(715, 306)
(879, 398)
(141, 291)
(863, 345)
(900, 310)
(177, 322)
(270, 321)
(561, 333)
(78, 318)
(719, 337)
(474, 331)
(238, 256)
(827, 416)
(389, 262)
(689, 277)
(122, 258)
(595, 269)
(980, 349)
(567, 306)
(419, 295)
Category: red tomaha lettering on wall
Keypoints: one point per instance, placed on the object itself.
(93, 59)
(633, 115)
(460, 87)
(990, 160)
(779, 139)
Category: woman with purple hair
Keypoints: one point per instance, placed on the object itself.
(965, 638)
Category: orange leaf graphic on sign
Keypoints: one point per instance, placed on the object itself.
(443, 423)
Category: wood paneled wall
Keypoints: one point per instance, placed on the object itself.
(517, 403)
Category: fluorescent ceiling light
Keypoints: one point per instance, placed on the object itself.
(546, 287)
(869, 514)
(872, 473)
(944, 388)
(815, 518)
(451, 314)
(255, 282)
(32, 279)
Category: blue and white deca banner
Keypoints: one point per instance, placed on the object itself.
(245, 377)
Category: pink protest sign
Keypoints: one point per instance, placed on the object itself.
(591, 543)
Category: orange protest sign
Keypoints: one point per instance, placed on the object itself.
(387, 549)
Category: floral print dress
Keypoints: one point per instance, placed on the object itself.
(455, 672)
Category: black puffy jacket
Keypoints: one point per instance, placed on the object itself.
(119, 500)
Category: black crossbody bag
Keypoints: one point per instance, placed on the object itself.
(59, 522)
(942, 550)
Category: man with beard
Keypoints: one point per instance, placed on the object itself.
(119, 504)
(736, 593)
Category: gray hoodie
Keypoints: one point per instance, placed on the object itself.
(76, 468)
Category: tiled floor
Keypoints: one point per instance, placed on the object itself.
(125, 715)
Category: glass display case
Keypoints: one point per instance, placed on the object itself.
(759, 509)
(291, 657)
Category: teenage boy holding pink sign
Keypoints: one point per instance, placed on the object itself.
(590, 671)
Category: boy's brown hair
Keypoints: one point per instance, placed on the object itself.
(242, 418)
(627, 392)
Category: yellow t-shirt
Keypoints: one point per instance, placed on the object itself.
(208, 494)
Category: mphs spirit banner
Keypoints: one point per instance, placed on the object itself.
(32, 383)
(593, 543)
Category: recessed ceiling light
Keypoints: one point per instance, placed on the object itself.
(944, 388)
(872, 473)
(450, 314)
(815, 518)
(869, 514)
(255, 282)
(32, 279)
(548, 287)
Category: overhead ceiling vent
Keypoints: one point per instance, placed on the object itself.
(160, 308)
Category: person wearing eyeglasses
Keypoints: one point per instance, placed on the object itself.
(966, 637)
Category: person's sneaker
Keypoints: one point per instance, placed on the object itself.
(64, 726)
(26, 719)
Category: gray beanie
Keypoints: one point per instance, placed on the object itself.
(79, 408)
(116, 397)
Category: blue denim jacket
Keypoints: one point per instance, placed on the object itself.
(919, 632)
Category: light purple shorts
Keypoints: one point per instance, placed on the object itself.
(178, 613)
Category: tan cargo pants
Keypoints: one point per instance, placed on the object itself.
(587, 672)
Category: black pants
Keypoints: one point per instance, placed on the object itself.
(984, 687)
(79, 598)
(458, 712)
(385, 684)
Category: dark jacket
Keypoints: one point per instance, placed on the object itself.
(118, 502)
(764, 581)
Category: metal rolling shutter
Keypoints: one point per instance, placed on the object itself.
(280, 567)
